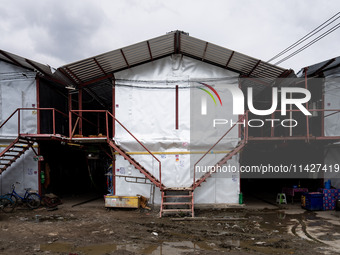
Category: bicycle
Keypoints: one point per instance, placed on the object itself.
(31, 198)
(6, 204)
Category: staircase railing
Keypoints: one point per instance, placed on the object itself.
(244, 139)
(19, 111)
(109, 120)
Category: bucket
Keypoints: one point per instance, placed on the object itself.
(328, 184)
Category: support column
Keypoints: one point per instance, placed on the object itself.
(80, 107)
(113, 135)
(113, 107)
(38, 104)
(177, 108)
(307, 118)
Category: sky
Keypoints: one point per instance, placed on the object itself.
(61, 32)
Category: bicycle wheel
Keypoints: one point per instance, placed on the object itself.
(13, 198)
(33, 200)
(6, 204)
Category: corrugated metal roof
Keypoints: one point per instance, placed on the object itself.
(25, 63)
(100, 67)
(326, 67)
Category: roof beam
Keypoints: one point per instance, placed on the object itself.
(205, 51)
(252, 70)
(285, 73)
(231, 56)
(149, 50)
(68, 76)
(96, 80)
(127, 63)
(99, 66)
(73, 74)
(177, 42)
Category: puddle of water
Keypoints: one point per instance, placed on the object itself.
(164, 248)
(51, 218)
(57, 247)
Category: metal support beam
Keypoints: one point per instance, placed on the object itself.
(99, 66)
(127, 63)
(80, 107)
(96, 80)
(231, 56)
(149, 50)
(38, 104)
(176, 108)
(307, 118)
(68, 76)
(205, 51)
(252, 70)
(113, 107)
(74, 75)
(177, 42)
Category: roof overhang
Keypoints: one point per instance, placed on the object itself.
(101, 67)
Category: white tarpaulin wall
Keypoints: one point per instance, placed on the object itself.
(17, 90)
(332, 96)
(145, 104)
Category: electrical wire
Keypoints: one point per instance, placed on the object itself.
(331, 30)
(307, 36)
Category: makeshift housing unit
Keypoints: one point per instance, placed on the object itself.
(140, 120)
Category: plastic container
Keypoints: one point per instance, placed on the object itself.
(240, 198)
(312, 201)
(328, 184)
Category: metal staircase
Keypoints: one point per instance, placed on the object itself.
(133, 162)
(13, 151)
(224, 160)
(180, 201)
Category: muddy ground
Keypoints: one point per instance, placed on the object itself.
(92, 229)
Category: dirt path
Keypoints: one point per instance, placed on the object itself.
(91, 229)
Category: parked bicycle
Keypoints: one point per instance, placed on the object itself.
(6, 204)
(31, 198)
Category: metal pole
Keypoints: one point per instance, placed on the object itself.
(80, 107)
(176, 110)
(70, 123)
(19, 122)
(113, 107)
(307, 118)
(53, 112)
(38, 104)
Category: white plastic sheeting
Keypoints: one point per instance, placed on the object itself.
(17, 90)
(332, 96)
(145, 104)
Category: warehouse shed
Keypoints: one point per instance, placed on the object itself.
(137, 120)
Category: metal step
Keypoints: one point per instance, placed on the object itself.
(177, 203)
(14, 151)
(176, 210)
(174, 196)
